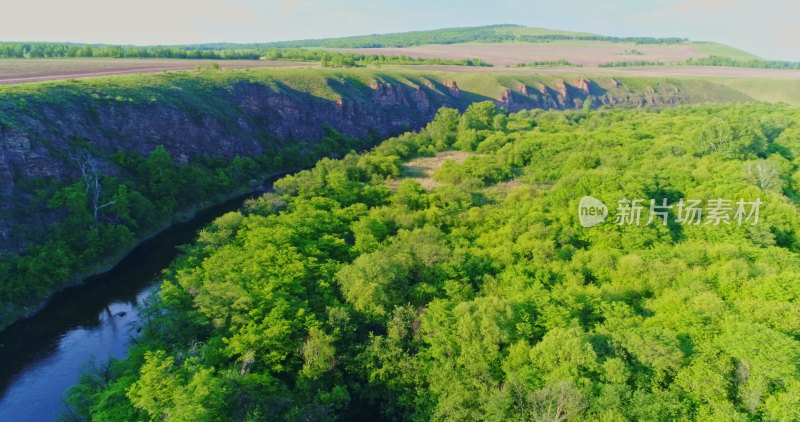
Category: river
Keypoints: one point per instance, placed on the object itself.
(42, 356)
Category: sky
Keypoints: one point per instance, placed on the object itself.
(767, 28)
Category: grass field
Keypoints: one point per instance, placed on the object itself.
(715, 49)
(766, 89)
(701, 83)
(761, 84)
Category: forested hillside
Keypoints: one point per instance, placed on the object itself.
(374, 287)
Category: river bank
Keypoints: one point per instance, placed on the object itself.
(43, 354)
(107, 264)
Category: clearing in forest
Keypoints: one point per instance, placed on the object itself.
(422, 169)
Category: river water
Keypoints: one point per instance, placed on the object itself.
(42, 356)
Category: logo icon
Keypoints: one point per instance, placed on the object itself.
(591, 211)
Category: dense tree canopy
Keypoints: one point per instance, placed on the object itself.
(354, 292)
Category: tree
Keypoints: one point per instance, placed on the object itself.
(443, 128)
(154, 390)
(160, 176)
(478, 116)
(766, 174)
(556, 402)
(91, 180)
(318, 353)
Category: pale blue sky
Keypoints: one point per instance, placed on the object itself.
(768, 28)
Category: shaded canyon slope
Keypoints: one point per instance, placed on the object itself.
(255, 112)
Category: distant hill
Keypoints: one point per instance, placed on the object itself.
(483, 34)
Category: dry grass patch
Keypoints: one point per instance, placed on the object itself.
(421, 169)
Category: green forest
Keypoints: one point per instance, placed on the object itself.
(368, 289)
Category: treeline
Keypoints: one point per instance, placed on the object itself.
(29, 50)
(753, 63)
(711, 61)
(155, 190)
(561, 62)
(630, 63)
(339, 59)
(353, 293)
(332, 58)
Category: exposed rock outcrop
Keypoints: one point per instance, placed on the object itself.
(453, 87)
(561, 87)
(583, 85)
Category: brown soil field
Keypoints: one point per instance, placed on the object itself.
(512, 54)
(14, 71)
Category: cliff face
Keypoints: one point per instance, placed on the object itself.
(238, 116)
(244, 122)
(248, 119)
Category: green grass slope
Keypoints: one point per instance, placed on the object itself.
(771, 90)
(722, 50)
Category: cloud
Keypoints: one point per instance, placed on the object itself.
(291, 5)
(705, 5)
(114, 21)
(787, 36)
